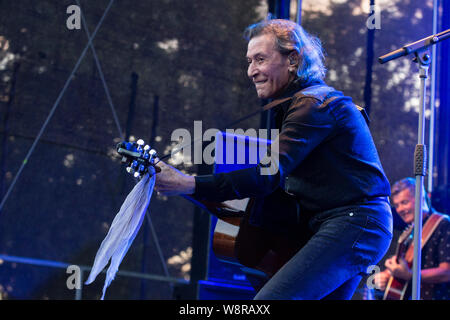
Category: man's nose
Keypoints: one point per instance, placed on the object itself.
(252, 71)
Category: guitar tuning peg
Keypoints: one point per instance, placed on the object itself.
(146, 147)
(129, 145)
(152, 152)
(129, 170)
(140, 142)
(136, 174)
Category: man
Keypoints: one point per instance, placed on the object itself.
(324, 155)
(435, 274)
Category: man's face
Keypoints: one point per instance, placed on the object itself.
(267, 67)
(404, 203)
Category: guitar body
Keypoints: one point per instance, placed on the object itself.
(255, 249)
(250, 247)
(396, 289)
(224, 239)
(236, 241)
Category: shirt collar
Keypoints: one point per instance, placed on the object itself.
(295, 86)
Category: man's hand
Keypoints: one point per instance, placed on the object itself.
(170, 181)
(399, 269)
(381, 279)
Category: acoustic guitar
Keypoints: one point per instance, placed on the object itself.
(235, 239)
(396, 288)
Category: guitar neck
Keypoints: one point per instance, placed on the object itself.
(403, 243)
(401, 249)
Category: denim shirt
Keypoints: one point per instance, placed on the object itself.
(326, 154)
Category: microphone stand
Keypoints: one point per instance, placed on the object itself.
(420, 49)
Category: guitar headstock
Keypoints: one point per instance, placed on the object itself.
(137, 157)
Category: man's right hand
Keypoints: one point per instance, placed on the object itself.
(381, 279)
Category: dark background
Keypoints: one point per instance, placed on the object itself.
(165, 63)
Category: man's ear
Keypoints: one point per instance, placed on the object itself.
(293, 61)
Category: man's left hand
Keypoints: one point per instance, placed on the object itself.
(399, 269)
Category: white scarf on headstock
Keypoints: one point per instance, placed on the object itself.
(123, 230)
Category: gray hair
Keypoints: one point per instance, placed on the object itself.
(406, 183)
(410, 184)
(291, 37)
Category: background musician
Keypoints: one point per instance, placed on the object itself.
(435, 274)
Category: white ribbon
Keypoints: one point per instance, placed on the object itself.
(123, 230)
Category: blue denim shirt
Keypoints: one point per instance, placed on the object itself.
(325, 152)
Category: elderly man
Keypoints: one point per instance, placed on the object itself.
(435, 274)
(326, 159)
